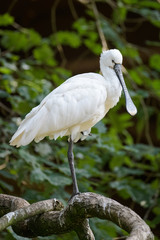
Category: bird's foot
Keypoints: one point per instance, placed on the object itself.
(73, 195)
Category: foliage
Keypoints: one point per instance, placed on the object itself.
(121, 159)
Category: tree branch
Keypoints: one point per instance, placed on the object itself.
(21, 214)
(74, 217)
(99, 28)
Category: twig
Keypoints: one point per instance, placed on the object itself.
(2, 166)
(99, 28)
(72, 9)
(53, 15)
(13, 3)
(54, 29)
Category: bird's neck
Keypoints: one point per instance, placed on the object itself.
(114, 88)
(111, 77)
(108, 73)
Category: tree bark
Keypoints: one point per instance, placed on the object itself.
(49, 217)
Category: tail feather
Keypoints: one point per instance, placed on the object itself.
(24, 135)
(29, 128)
(16, 140)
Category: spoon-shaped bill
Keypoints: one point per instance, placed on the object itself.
(131, 108)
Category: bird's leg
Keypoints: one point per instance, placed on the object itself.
(72, 168)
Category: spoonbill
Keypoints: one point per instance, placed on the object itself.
(74, 107)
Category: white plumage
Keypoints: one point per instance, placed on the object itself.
(74, 107)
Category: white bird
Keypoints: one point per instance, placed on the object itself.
(74, 107)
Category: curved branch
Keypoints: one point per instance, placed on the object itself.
(83, 231)
(21, 214)
(74, 217)
(14, 210)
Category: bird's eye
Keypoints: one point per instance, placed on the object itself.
(113, 61)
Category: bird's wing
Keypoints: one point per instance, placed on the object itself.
(75, 102)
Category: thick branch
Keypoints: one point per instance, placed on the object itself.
(17, 210)
(21, 214)
(84, 232)
(74, 218)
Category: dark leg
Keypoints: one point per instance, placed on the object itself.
(71, 165)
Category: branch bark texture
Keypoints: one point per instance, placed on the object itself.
(49, 217)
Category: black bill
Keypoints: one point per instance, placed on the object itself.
(131, 108)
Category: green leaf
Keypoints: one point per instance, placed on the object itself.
(143, 93)
(149, 4)
(59, 75)
(43, 149)
(111, 34)
(152, 15)
(136, 189)
(20, 41)
(6, 19)
(14, 41)
(158, 126)
(119, 14)
(3, 94)
(66, 38)
(100, 127)
(155, 85)
(37, 175)
(44, 54)
(33, 39)
(27, 157)
(5, 70)
(94, 47)
(84, 26)
(6, 186)
(136, 76)
(20, 106)
(124, 171)
(131, 52)
(153, 43)
(130, 1)
(154, 61)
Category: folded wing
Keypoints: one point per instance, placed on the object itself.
(73, 107)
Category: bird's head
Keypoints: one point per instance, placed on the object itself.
(112, 59)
